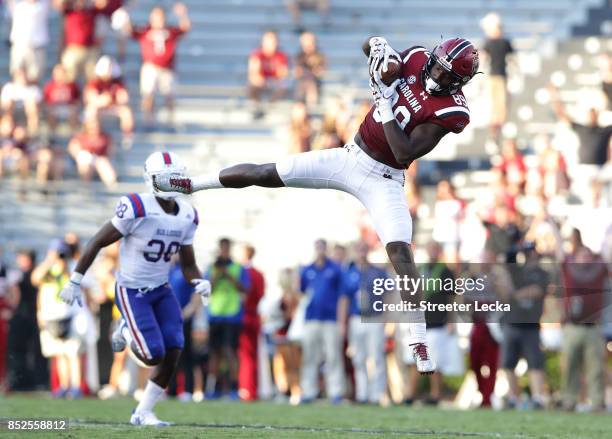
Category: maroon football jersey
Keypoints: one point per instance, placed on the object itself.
(414, 106)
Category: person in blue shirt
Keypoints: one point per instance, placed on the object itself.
(321, 283)
(366, 339)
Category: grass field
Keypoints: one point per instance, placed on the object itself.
(90, 418)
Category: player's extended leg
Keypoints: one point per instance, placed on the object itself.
(141, 329)
(167, 313)
(385, 201)
(326, 169)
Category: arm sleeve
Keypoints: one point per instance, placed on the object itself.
(125, 217)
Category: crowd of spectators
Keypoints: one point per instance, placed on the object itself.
(40, 112)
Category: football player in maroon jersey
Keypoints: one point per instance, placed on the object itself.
(407, 120)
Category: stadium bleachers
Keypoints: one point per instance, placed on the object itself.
(215, 127)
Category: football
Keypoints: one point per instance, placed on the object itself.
(394, 71)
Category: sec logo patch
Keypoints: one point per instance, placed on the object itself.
(411, 79)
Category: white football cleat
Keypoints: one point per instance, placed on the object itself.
(147, 418)
(118, 341)
(424, 363)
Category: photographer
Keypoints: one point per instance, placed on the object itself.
(58, 337)
(229, 282)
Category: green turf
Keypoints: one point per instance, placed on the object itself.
(92, 418)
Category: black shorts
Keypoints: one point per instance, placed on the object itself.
(224, 334)
(521, 342)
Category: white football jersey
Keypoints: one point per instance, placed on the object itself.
(150, 238)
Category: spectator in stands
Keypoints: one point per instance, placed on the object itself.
(91, 149)
(496, 50)
(19, 93)
(552, 170)
(49, 165)
(296, 7)
(521, 327)
(16, 149)
(191, 304)
(584, 284)
(448, 214)
(593, 137)
(366, 338)
(309, 70)
(250, 331)
(62, 99)
(58, 338)
(81, 49)
(544, 232)
(29, 36)
(106, 94)
(300, 130)
(512, 165)
(27, 368)
(158, 44)
(504, 234)
(267, 72)
(440, 330)
(321, 282)
(335, 122)
(230, 282)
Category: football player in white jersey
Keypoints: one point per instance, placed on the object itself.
(152, 227)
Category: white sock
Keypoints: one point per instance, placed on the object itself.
(417, 327)
(206, 181)
(151, 394)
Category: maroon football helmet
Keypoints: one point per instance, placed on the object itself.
(451, 65)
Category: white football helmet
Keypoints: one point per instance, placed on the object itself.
(162, 163)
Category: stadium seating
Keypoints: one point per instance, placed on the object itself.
(216, 128)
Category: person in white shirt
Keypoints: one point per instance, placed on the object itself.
(152, 228)
(29, 36)
(19, 92)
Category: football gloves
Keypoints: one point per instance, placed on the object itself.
(203, 288)
(380, 52)
(383, 97)
(71, 293)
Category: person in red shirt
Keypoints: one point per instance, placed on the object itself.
(91, 149)
(62, 98)
(80, 45)
(268, 69)
(158, 43)
(249, 334)
(106, 94)
(512, 164)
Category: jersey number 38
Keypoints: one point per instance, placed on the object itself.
(157, 250)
